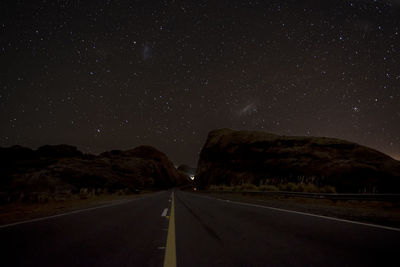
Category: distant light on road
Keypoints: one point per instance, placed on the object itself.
(191, 177)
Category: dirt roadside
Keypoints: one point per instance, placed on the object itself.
(375, 212)
(20, 211)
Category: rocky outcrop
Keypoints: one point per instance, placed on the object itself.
(63, 168)
(235, 157)
(146, 162)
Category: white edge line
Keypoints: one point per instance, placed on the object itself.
(164, 213)
(306, 214)
(118, 202)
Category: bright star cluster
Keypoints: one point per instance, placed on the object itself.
(116, 74)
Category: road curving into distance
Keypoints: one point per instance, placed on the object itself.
(187, 229)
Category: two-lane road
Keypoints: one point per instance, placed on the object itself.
(208, 232)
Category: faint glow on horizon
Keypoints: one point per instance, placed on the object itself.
(396, 157)
(248, 109)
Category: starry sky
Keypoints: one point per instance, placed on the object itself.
(105, 75)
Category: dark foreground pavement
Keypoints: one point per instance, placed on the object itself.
(128, 234)
(209, 232)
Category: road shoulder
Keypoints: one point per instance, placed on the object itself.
(374, 212)
(19, 211)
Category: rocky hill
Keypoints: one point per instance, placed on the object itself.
(235, 157)
(62, 168)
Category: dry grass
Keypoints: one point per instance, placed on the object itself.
(378, 212)
(290, 187)
(20, 211)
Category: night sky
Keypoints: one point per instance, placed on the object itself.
(105, 75)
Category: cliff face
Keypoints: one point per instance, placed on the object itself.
(63, 168)
(148, 163)
(234, 157)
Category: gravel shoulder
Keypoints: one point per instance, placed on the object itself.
(21, 211)
(376, 212)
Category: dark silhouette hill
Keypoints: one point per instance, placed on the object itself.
(235, 157)
(63, 168)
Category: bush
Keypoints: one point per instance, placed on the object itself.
(290, 187)
(214, 187)
(237, 188)
(308, 188)
(248, 187)
(84, 193)
(268, 188)
(227, 188)
(328, 189)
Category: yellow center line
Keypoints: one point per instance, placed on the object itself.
(170, 249)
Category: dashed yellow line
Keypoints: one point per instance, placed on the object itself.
(170, 249)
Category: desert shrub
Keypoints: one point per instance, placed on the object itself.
(83, 180)
(114, 186)
(214, 187)
(268, 187)
(262, 187)
(122, 192)
(236, 188)
(308, 188)
(328, 189)
(43, 197)
(282, 187)
(83, 193)
(292, 187)
(248, 187)
(227, 188)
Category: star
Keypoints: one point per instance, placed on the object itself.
(174, 69)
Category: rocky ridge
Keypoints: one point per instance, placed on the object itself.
(236, 157)
(52, 170)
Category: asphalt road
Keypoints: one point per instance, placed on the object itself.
(128, 234)
(208, 232)
(212, 232)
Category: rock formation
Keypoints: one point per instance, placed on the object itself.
(61, 168)
(235, 157)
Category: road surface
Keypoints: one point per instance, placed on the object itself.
(206, 232)
(129, 234)
(220, 233)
